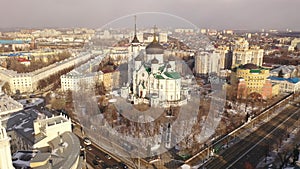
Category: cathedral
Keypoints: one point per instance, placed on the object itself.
(152, 79)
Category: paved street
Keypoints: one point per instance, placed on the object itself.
(252, 148)
(104, 162)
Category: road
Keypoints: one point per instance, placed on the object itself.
(90, 154)
(109, 163)
(253, 147)
(104, 162)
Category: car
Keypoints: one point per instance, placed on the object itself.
(103, 165)
(88, 148)
(123, 165)
(97, 157)
(115, 166)
(95, 162)
(107, 156)
(87, 141)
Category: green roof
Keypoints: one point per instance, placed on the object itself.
(159, 77)
(161, 68)
(255, 71)
(148, 69)
(173, 75)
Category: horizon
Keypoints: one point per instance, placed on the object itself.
(219, 14)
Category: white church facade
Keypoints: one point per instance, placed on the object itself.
(152, 79)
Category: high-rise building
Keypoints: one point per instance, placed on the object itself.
(243, 54)
(225, 57)
(208, 62)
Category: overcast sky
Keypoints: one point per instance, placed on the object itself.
(218, 14)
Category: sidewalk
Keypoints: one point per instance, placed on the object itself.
(273, 160)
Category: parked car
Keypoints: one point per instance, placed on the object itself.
(88, 148)
(107, 156)
(95, 162)
(97, 158)
(123, 165)
(87, 141)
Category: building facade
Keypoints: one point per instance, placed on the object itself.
(252, 82)
(82, 77)
(287, 85)
(40, 139)
(243, 54)
(153, 80)
(208, 62)
(28, 82)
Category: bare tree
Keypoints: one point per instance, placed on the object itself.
(6, 88)
(58, 104)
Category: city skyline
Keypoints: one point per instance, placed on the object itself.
(219, 14)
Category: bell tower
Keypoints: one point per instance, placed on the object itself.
(5, 160)
(133, 52)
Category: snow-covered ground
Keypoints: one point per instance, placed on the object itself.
(273, 158)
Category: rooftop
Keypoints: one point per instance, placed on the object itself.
(291, 80)
(62, 154)
(249, 66)
(173, 75)
(8, 105)
(13, 42)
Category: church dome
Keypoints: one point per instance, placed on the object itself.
(154, 61)
(154, 48)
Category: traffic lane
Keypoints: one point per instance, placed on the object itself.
(230, 155)
(95, 151)
(92, 154)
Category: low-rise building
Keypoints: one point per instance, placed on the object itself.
(82, 77)
(8, 105)
(49, 142)
(251, 81)
(28, 82)
(14, 45)
(288, 85)
(285, 71)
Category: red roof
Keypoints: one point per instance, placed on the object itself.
(23, 60)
